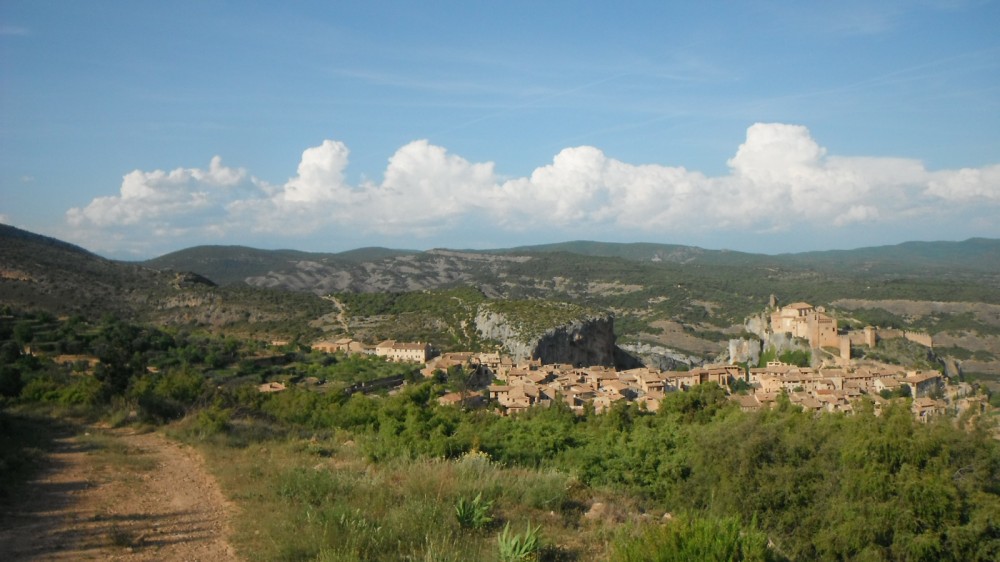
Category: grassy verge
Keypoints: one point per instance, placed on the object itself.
(318, 498)
(110, 452)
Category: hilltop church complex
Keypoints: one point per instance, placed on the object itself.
(812, 324)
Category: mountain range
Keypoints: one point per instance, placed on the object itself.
(679, 298)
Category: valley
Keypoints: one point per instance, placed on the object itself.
(646, 395)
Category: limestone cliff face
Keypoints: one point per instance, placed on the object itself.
(586, 341)
(758, 324)
(660, 357)
(744, 350)
(495, 326)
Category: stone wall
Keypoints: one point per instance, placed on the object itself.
(922, 338)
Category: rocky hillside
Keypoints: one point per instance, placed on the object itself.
(41, 274)
(670, 303)
(576, 338)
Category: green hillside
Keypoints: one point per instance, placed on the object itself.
(44, 275)
(689, 299)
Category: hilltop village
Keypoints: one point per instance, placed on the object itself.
(833, 383)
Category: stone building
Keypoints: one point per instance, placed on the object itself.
(803, 320)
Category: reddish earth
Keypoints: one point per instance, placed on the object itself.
(149, 498)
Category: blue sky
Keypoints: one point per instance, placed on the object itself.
(139, 128)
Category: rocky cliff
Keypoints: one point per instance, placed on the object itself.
(660, 357)
(585, 341)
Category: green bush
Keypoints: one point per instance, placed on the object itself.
(41, 389)
(212, 421)
(84, 391)
(474, 514)
(797, 357)
(703, 539)
(517, 547)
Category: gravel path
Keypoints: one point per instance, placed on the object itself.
(130, 496)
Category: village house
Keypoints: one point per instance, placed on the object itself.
(647, 380)
(747, 402)
(681, 380)
(490, 362)
(650, 401)
(925, 408)
(392, 350)
(923, 383)
(807, 402)
(721, 375)
(342, 345)
(460, 399)
(886, 384)
(604, 402)
(468, 361)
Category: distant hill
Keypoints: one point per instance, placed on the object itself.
(645, 251)
(528, 271)
(18, 239)
(233, 264)
(236, 264)
(662, 296)
(974, 254)
(42, 274)
(373, 253)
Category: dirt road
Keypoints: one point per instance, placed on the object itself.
(119, 495)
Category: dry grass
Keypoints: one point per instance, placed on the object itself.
(113, 454)
(319, 499)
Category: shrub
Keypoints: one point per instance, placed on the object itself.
(41, 389)
(516, 547)
(473, 514)
(86, 391)
(693, 539)
(213, 420)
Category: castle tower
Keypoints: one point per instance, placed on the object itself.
(845, 347)
(870, 336)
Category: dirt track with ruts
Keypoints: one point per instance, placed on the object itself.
(118, 494)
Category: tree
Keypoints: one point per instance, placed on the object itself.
(10, 381)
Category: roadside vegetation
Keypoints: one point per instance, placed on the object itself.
(320, 474)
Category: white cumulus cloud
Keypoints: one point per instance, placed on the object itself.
(967, 184)
(321, 175)
(780, 179)
(160, 195)
(423, 186)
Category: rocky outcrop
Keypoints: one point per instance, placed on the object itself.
(758, 325)
(744, 350)
(660, 357)
(186, 279)
(585, 341)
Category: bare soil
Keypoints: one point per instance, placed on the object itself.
(674, 337)
(128, 496)
(983, 312)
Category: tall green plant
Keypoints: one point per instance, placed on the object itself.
(517, 547)
(474, 514)
(706, 539)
